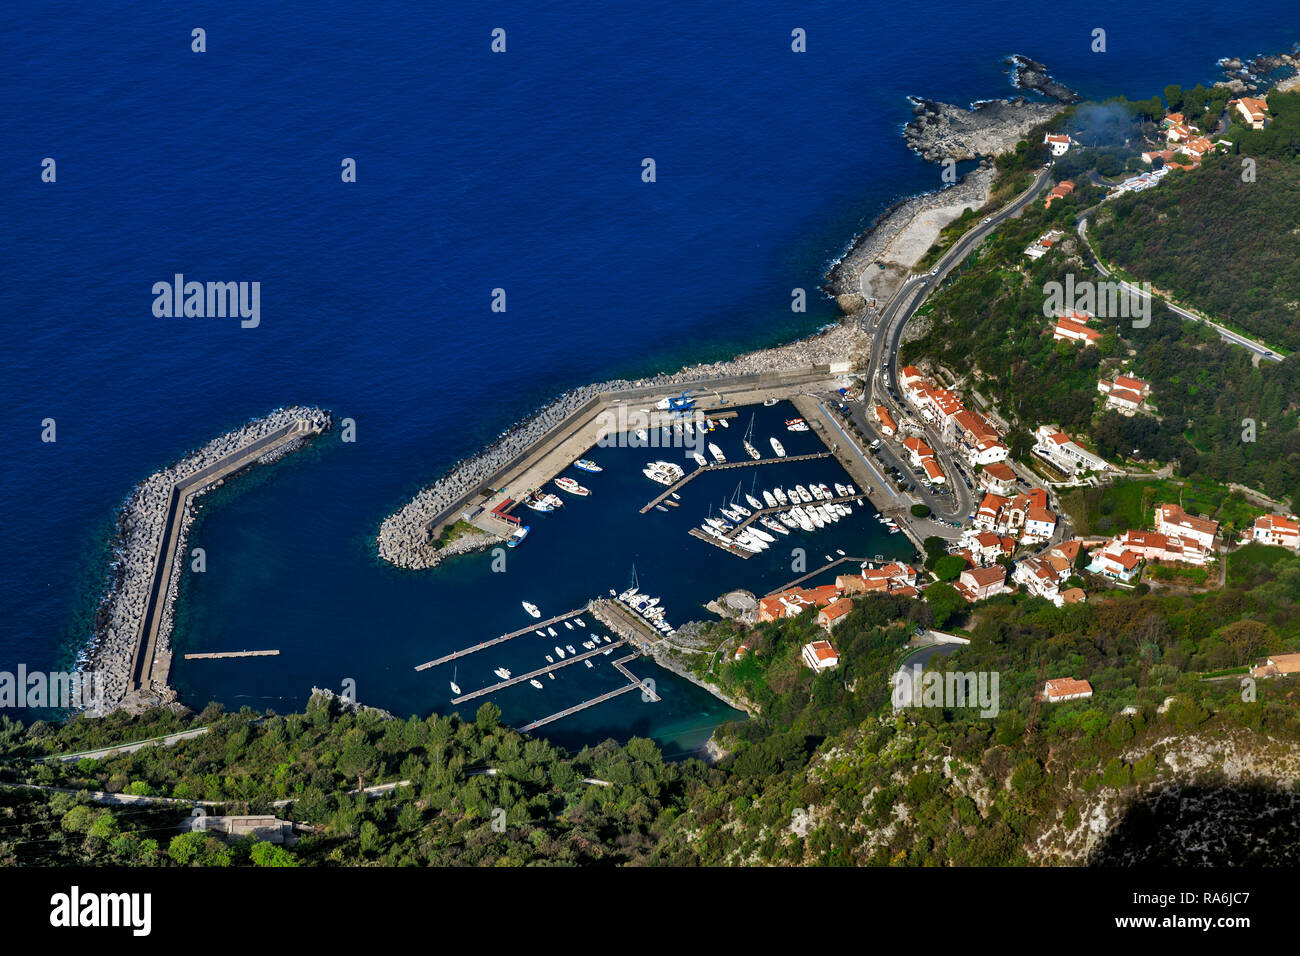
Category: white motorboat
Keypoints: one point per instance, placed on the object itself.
(535, 682)
(780, 495)
(570, 649)
(532, 609)
(769, 499)
(559, 652)
(699, 459)
(717, 454)
(755, 503)
(502, 672)
(777, 447)
(803, 494)
(569, 625)
(551, 632)
(550, 659)
(578, 621)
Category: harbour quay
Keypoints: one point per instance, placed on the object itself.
(484, 490)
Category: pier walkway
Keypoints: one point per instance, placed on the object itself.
(541, 670)
(619, 666)
(538, 625)
(223, 654)
(150, 669)
(812, 574)
(624, 622)
(577, 707)
(731, 464)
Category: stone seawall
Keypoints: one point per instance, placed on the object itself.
(142, 590)
(403, 536)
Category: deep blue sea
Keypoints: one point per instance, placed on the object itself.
(475, 171)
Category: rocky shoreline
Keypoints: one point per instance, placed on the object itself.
(139, 531)
(402, 539)
(898, 240)
(940, 131)
(1031, 75)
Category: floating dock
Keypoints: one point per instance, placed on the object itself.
(812, 574)
(484, 645)
(577, 707)
(635, 683)
(541, 670)
(224, 654)
(730, 464)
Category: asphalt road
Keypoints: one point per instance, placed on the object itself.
(1233, 338)
(888, 332)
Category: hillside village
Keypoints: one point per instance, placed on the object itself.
(1018, 537)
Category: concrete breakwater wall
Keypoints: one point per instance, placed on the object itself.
(403, 538)
(130, 649)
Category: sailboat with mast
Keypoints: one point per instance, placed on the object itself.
(749, 441)
(455, 688)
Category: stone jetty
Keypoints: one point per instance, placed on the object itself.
(130, 649)
(403, 538)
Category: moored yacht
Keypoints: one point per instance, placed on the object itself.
(717, 454)
(572, 487)
(777, 447)
(531, 608)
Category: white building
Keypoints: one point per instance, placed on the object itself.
(820, 656)
(1277, 530)
(1173, 520)
(1059, 142)
(1066, 454)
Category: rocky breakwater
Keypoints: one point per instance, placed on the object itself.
(140, 534)
(403, 539)
(882, 258)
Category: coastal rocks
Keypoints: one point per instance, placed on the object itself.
(139, 533)
(881, 259)
(1029, 74)
(403, 538)
(1261, 72)
(940, 131)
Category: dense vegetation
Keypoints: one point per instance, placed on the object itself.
(989, 325)
(1220, 244)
